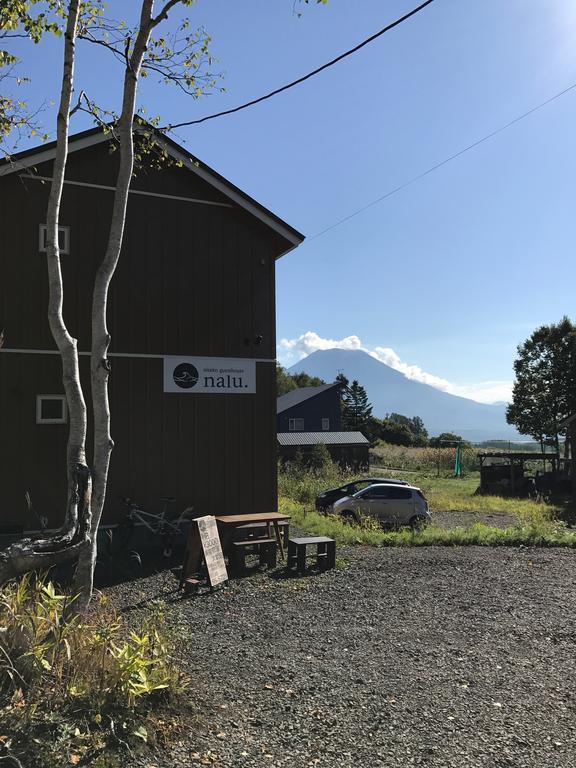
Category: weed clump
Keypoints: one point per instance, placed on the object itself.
(76, 685)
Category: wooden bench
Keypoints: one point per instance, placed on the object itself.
(247, 531)
(266, 549)
(325, 552)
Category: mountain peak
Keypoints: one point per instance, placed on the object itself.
(390, 391)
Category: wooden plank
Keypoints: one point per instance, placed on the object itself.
(251, 518)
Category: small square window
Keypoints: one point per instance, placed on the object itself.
(325, 424)
(296, 425)
(63, 238)
(51, 409)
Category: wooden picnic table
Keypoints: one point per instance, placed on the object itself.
(230, 522)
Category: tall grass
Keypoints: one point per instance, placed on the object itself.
(304, 485)
(422, 459)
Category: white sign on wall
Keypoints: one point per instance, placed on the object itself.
(209, 375)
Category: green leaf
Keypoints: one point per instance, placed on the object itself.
(141, 732)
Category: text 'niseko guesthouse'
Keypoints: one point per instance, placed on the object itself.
(192, 320)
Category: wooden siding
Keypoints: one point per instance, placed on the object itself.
(192, 280)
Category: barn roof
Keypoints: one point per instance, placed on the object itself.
(300, 395)
(328, 438)
(94, 136)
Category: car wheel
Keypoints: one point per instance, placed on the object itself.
(348, 516)
(418, 522)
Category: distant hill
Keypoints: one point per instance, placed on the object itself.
(390, 391)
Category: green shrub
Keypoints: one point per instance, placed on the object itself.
(94, 658)
(72, 686)
(319, 457)
(303, 485)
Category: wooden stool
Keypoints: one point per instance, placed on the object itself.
(266, 549)
(325, 552)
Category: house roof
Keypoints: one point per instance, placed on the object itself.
(93, 136)
(328, 438)
(297, 396)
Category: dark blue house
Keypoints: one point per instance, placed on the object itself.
(310, 416)
(309, 409)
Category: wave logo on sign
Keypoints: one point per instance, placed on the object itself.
(209, 375)
(185, 375)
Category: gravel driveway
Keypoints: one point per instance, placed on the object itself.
(433, 657)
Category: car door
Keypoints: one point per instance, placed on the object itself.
(400, 504)
(377, 502)
(362, 502)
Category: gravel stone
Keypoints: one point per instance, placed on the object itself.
(433, 657)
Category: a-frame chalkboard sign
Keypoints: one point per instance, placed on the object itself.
(204, 546)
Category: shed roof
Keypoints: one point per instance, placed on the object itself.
(297, 396)
(526, 455)
(327, 438)
(78, 141)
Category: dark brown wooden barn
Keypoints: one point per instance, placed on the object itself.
(196, 280)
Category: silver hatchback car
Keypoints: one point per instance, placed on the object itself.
(391, 505)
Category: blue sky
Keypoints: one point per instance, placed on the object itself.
(446, 277)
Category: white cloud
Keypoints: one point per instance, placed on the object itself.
(310, 342)
(292, 350)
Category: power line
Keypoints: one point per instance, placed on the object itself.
(441, 163)
(304, 77)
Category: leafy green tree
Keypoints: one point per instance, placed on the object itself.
(18, 19)
(373, 430)
(396, 432)
(444, 438)
(419, 432)
(545, 387)
(397, 429)
(305, 380)
(284, 381)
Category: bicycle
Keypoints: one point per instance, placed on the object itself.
(160, 525)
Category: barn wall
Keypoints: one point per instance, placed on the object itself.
(192, 280)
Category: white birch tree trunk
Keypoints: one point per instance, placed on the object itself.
(100, 366)
(78, 535)
(69, 541)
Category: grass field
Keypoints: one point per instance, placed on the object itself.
(451, 494)
(529, 522)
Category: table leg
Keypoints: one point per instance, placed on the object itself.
(279, 539)
(226, 534)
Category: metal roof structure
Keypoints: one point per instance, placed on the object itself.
(523, 455)
(297, 396)
(327, 438)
